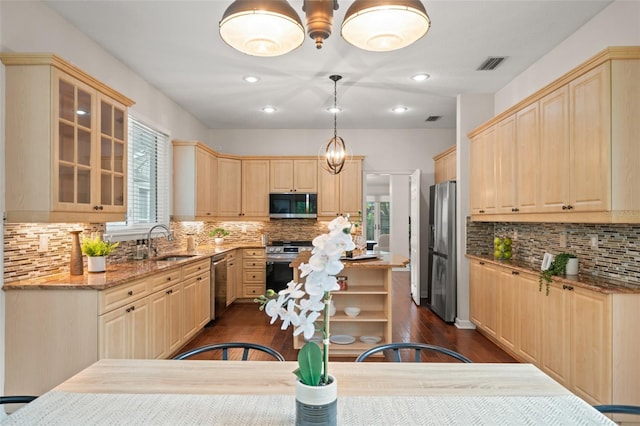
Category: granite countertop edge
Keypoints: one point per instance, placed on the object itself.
(118, 273)
(589, 282)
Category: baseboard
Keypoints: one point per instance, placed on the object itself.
(464, 324)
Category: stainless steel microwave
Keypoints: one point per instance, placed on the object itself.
(293, 205)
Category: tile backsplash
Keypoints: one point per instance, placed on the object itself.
(24, 258)
(616, 253)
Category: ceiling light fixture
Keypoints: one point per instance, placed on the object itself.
(335, 153)
(251, 79)
(273, 28)
(420, 77)
(334, 109)
(399, 109)
(268, 109)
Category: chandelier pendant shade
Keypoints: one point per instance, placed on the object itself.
(273, 28)
(336, 150)
(262, 27)
(382, 26)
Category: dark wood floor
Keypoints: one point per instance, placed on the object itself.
(245, 322)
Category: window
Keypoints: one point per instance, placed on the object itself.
(148, 182)
(378, 217)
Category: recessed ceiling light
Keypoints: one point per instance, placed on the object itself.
(269, 109)
(334, 110)
(399, 109)
(251, 79)
(420, 77)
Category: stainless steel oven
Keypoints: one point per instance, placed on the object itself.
(279, 255)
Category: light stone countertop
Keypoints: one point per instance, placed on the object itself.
(121, 272)
(590, 282)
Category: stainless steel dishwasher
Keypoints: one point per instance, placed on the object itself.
(218, 285)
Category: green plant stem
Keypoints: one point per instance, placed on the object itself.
(325, 337)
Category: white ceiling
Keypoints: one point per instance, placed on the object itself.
(176, 47)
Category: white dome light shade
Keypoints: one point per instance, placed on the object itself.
(262, 28)
(382, 26)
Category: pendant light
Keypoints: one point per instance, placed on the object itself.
(262, 27)
(273, 28)
(335, 153)
(381, 26)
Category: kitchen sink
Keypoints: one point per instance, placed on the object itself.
(174, 257)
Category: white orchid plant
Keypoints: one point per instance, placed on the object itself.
(293, 308)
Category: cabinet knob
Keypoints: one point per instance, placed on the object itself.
(569, 207)
(515, 273)
(130, 292)
(169, 291)
(168, 278)
(253, 276)
(564, 207)
(481, 211)
(199, 278)
(481, 263)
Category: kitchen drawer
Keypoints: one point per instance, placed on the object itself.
(254, 276)
(163, 280)
(116, 297)
(253, 263)
(252, 290)
(254, 253)
(196, 268)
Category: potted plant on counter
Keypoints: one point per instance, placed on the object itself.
(558, 266)
(219, 234)
(96, 249)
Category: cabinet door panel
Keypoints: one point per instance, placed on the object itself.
(554, 150)
(591, 342)
(113, 335)
(508, 308)
(174, 318)
(506, 154)
(555, 334)
(139, 338)
(255, 188)
(305, 177)
(590, 135)
(229, 187)
(159, 333)
(528, 159)
(189, 308)
(351, 188)
(281, 175)
(528, 346)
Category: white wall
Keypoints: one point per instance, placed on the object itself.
(472, 110)
(617, 25)
(401, 204)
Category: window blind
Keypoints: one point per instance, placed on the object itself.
(147, 182)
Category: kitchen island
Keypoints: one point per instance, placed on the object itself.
(368, 287)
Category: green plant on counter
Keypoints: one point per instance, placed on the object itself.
(219, 233)
(94, 247)
(557, 267)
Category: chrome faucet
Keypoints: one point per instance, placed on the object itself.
(151, 248)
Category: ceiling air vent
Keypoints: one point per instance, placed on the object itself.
(491, 63)
(433, 118)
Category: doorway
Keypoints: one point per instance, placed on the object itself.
(392, 213)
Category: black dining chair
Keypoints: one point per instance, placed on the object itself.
(17, 399)
(417, 347)
(618, 409)
(224, 347)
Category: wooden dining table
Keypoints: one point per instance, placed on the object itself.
(190, 392)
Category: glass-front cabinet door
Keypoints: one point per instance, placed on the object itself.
(74, 134)
(113, 155)
(90, 149)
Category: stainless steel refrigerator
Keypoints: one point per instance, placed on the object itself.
(443, 286)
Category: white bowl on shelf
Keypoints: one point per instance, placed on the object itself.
(352, 311)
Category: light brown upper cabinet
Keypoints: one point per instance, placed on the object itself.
(575, 148)
(255, 189)
(298, 175)
(445, 165)
(340, 194)
(66, 143)
(195, 177)
(482, 175)
(229, 187)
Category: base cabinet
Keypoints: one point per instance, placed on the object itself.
(579, 337)
(53, 334)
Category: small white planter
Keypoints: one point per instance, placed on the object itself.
(96, 263)
(219, 241)
(572, 266)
